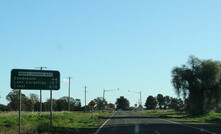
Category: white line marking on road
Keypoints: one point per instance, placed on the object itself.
(136, 129)
(200, 129)
(104, 124)
(156, 132)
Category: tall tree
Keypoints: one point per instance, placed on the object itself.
(167, 100)
(161, 100)
(151, 102)
(177, 104)
(33, 102)
(13, 98)
(122, 103)
(200, 82)
(100, 101)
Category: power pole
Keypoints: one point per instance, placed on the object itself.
(140, 101)
(108, 91)
(103, 93)
(69, 93)
(85, 94)
(41, 68)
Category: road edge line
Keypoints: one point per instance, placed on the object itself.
(98, 130)
(188, 126)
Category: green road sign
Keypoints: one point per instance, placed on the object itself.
(35, 79)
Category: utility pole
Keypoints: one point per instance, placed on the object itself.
(69, 93)
(140, 101)
(85, 95)
(41, 68)
(108, 91)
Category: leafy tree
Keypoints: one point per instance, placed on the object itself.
(177, 104)
(3, 107)
(13, 98)
(167, 102)
(200, 82)
(100, 103)
(161, 100)
(47, 105)
(63, 102)
(77, 105)
(151, 102)
(122, 103)
(33, 103)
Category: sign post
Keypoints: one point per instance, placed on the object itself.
(19, 114)
(34, 80)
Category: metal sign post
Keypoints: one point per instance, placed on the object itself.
(19, 112)
(51, 109)
(35, 80)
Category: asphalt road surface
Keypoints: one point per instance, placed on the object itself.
(133, 123)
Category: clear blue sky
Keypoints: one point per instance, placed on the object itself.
(131, 45)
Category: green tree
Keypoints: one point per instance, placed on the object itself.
(177, 104)
(47, 105)
(62, 103)
(13, 98)
(161, 100)
(33, 103)
(151, 102)
(3, 107)
(100, 101)
(200, 82)
(167, 102)
(122, 103)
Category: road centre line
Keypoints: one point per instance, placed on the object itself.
(156, 132)
(200, 129)
(104, 123)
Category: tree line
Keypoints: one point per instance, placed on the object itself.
(32, 103)
(164, 102)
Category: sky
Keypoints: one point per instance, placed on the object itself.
(107, 44)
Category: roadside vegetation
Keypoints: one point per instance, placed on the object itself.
(181, 116)
(63, 122)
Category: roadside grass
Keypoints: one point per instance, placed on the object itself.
(172, 115)
(63, 122)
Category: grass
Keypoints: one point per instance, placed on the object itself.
(171, 114)
(63, 122)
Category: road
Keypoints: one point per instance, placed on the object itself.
(133, 123)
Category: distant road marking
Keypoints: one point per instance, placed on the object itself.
(200, 129)
(104, 124)
(156, 132)
(136, 129)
